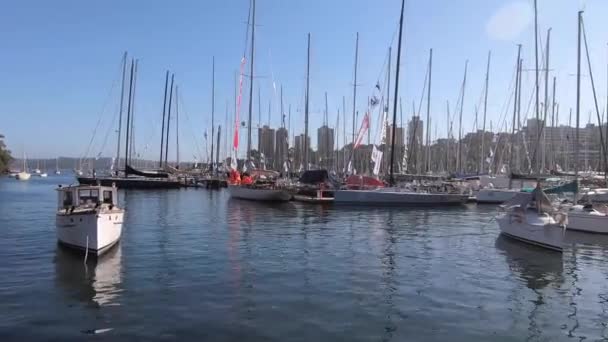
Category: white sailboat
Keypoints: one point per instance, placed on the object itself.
(88, 217)
(57, 172)
(587, 219)
(37, 169)
(24, 175)
(43, 173)
(527, 218)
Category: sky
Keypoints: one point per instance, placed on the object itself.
(61, 61)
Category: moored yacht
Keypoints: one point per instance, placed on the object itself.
(88, 217)
(528, 218)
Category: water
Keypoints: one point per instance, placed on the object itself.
(194, 264)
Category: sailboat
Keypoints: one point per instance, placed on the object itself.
(527, 217)
(43, 173)
(24, 175)
(258, 191)
(584, 217)
(37, 169)
(57, 172)
(395, 195)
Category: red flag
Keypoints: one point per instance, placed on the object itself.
(362, 130)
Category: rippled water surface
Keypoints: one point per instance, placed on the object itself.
(197, 265)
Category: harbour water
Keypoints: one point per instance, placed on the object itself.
(196, 265)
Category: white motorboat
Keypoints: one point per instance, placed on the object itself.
(397, 196)
(495, 196)
(258, 193)
(23, 176)
(88, 217)
(587, 219)
(524, 221)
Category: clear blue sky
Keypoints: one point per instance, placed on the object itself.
(60, 61)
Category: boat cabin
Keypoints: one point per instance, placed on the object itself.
(86, 196)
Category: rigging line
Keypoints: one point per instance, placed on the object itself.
(108, 131)
(426, 76)
(100, 116)
(247, 30)
(190, 125)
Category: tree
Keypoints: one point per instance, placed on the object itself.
(5, 156)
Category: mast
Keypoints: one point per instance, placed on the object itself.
(162, 134)
(217, 150)
(282, 111)
(464, 84)
(128, 117)
(251, 81)
(553, 125)
(485, 110)
(122, 95)
(447, 144)
(544, 152)
(176, 127)
(306, 140)
(536, 80)
(515, 105)
(132, 142)
(355, 89)
(344, 134)
(169, 118)
(578, 102)
(212, 109)
(428, 115)
(326, 136)
(385, 112)
(391, 178)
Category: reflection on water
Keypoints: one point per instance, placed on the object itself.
(98, 282)
(197, 265)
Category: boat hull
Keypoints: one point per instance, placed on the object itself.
(102, 230)
(383, 197)
(586, 222)
(549, 236)
(270, 195)
(130, 183)
(495, 196)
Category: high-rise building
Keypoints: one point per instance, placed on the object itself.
(325, 146)
(299, 144)
(281, 148)
(399, 146)
(266, 144)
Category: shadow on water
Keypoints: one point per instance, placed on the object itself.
(96, 283)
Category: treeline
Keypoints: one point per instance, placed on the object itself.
(5, 156)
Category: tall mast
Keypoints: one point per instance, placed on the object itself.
(391, 178)
(132, 141)
(306, 140)
(355, 89)
(515, 104)
(449, 131)
(176, 127)
(464, 84)
(553, 125)
(536, 81)
(251, 82)
(122, 95)
(485, 110)
(212, 109)
(544, 152)
(326, 136)
(162, 134)
(344, 133)
(578, 102)
(128, 118)
(169, 118)
(387, 106)
(428, 115)
(282, 111)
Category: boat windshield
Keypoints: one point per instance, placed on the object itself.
(107, 197)
(88, 196)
